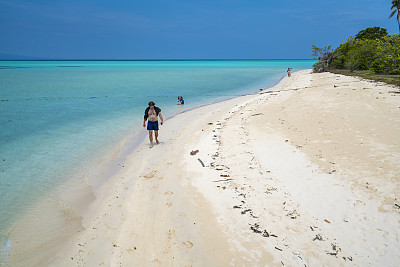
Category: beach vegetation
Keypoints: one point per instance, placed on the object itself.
(366, 74)
(372, 33)
(324, 56)
(372, 50)
(355, 54)
(387, 59)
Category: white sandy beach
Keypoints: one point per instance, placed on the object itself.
(305, 173)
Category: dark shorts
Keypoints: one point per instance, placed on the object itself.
(152, 125)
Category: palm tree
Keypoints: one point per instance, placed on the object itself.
(396, 8)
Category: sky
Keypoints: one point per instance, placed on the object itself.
(183, 29)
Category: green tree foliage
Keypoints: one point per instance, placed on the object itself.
(387, 59)
(380, 54)
(324, 57)
(372, 33)
(355, 54)
(342, 52)
(396, 9)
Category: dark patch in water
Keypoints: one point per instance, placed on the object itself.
(12, 67)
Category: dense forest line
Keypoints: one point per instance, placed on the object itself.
(371, 49)
(371, 54)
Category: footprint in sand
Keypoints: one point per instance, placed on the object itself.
(153, 174)
(157, 261)
(150, 175)
(169, 194)
(171, 233)
(188, 244)
(359, 203)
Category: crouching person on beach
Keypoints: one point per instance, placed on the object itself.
(151, 114)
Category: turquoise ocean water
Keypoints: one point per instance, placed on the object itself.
(61, 120)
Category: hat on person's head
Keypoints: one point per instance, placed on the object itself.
(151, 103)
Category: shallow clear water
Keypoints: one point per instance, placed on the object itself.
(59, 118)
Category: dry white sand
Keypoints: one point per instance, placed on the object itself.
(304, 173)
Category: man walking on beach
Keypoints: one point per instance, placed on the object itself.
(151, 114)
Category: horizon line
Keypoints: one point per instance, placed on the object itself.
(228, 59)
